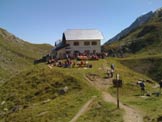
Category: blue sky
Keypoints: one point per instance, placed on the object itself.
(44, 21)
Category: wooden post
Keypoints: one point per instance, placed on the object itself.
(117, 97)
(117, 79)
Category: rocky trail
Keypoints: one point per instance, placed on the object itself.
(130, 115)
(84, 108)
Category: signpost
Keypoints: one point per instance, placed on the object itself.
(117, 83)
(117, 79)
(117, 97)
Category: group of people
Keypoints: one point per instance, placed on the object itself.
(143, 90)
(110, 74)
(89, 56)
(68, 63)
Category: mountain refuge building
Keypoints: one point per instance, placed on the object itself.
(79, 41)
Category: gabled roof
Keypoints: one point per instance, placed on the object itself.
(83, 34)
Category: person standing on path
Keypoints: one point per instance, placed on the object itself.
(142, 85)
(112, 70)
(113, 66)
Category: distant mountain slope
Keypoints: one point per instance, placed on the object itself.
(144, 40)
(152, 67)
(16, 54)
(138, 22)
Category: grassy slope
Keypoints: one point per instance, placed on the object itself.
(130, 92)
(29, 89)
(150, 66)
(17, 54)
(63, 107)
(31, 93)
(102, 112)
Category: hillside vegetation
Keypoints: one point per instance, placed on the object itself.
(17, 54)
(145, 40)
(130, 93)
(37, 95)
(142, 47)
(151, 67)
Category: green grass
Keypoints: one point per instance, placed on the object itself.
(130, 93)
(150, 66)
(17, 55)
(29, 90)
(101, 111)
(62, 109)
(150, 106)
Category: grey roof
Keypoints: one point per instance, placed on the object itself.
(83, 34)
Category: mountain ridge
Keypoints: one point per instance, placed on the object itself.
(138, 22)
(144, 40)
(17, 54)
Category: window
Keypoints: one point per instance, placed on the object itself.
(68, 47)
(86, 43)
(94, 43)
(76, 43)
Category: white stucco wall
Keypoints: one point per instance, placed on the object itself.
(81, 48)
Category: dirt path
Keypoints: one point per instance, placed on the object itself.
(83, 109)
(131, 115)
